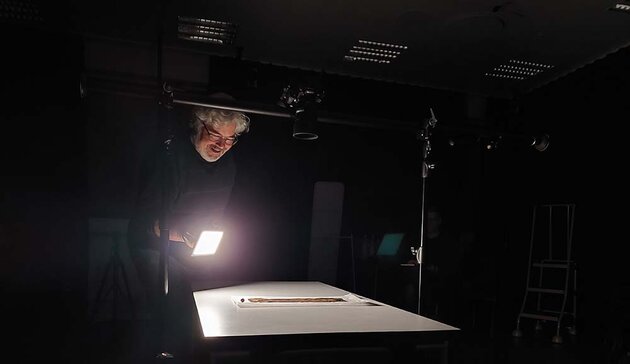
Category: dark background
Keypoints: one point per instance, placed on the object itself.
(69, 157)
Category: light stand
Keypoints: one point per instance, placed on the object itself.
(166, 137)
(208, 241)
(165, 133)
(423, 135)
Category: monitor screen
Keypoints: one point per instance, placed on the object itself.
(390, 244)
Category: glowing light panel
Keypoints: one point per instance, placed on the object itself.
(208, 243)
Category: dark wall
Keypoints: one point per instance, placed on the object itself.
(44, 181)
(585, 112)
(44, 185)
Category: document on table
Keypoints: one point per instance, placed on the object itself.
(278, 301)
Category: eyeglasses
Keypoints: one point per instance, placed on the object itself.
(217, 138)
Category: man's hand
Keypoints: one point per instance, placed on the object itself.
(174, 235)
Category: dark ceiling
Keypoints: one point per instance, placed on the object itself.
(460, 45)
(482, 49)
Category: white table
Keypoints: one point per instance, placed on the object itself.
(221, 318)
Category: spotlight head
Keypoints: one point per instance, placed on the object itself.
(304, 125)
(303, 101)
(541, 143)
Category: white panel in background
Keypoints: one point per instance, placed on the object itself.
(325, 231)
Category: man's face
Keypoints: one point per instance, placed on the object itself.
(214, 141)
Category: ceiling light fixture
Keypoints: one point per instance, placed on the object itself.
(21, 11)
(374, 52)
(624, 8)
(206, 30)
(515, 69)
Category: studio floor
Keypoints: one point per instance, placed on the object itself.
(53, 329)
(106, 343)
(125, 342)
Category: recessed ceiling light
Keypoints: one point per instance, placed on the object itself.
(374, 52)
(621, 7)
(23, 11)
(515, 69)
(365, 59)
(206, 30)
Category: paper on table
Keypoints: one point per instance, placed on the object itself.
(277, 301)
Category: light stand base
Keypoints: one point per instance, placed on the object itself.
(517, 333)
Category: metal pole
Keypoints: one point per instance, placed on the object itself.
(419, 251)
(165, 103)
(423, 135)
(233, 107)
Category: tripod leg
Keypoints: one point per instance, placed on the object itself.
(99, 294)
(127, 289)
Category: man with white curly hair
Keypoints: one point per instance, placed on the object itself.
(198, 177)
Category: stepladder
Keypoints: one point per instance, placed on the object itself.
(551, 285)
